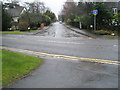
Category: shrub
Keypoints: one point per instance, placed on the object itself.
(68, 21)
(6, 20)
(46, 19)
(34, 28)
(23, 26)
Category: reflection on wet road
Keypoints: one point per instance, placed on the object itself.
(59, 31)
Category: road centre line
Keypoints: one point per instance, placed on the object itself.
(48, 41)
(61, 42)
(62, 56)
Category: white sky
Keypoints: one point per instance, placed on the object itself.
(54, 5)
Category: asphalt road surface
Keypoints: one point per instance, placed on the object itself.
(62, 73)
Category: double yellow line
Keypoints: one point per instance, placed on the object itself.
(62, 56)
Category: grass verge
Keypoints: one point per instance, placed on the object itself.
(101, 32)
(16, 32)
(107, 34)
(16, 65)
(110, 36)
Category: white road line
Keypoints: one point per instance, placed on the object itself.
(61, 42)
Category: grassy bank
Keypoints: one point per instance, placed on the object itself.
(106, 33)
(16, 65)
(16, 32)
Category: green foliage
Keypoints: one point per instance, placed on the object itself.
(116, 23)
(117, 17)
(68, 21)
(83, 12)
(34, 28)
(50, 14)
(23, 26)
(33, 19)
(77, 19)
(46, 19)
(6, 20)
(86, 21)
(104, 17)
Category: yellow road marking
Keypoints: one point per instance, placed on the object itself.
(87, 36)
(63, 56)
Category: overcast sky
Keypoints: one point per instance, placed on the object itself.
(54, 5)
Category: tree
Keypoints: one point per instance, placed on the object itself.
(46, 19)
(104, 17)
(50, 14)
(84, 10)
(116, 22)
(86, 21)
(23, 26)
(36, 7)
(33, 20)
(0, 16)
(69, 8)
(6, 20)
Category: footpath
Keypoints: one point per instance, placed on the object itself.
(83, 32)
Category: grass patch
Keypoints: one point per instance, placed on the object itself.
(107, 34)
(110, 36)
(16, 32)
(102, 32)
(16, 65)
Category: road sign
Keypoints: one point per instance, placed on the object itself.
(95, 12)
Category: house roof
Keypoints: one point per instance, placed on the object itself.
(16, 11)
(119, 5)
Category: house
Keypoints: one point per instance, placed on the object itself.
(15, 12)
(118, 7)
(114, 6)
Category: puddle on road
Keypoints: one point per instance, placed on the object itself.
(95, 77)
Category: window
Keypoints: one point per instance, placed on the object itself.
(115, 10)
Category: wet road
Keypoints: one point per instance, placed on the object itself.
(59, 31)
(61, 73)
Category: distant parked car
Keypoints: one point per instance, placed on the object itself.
(60, 22)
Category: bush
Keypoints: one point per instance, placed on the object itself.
(68, 21)
(34, 28)
(6, 20)
(46, 19)
(23, 26)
